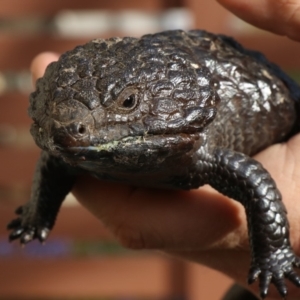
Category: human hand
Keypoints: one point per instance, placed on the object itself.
(184, 223)
(279, 16)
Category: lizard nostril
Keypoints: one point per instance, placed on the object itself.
(81, 129)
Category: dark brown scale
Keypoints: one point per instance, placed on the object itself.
(171, 110)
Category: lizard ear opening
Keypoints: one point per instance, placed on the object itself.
(195, 120)
(199, 117)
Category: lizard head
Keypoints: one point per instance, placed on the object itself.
(116, 92)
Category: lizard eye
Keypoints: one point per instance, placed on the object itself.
(129, 102)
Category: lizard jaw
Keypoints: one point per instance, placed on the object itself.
(131, 149)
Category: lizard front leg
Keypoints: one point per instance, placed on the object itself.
(245, 180)
(52, 181)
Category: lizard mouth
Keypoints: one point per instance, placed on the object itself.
(111, 145)
(138, 148)
(124, 146)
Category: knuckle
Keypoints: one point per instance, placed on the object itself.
(130, 238)
(292, 13)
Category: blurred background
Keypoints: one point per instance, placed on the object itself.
(81, 260)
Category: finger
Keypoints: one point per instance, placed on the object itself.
(287, 177)
(160, 219)
(40, 62)
(281, 16)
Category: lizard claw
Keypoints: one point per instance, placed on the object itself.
(275, 270)
(26, 235)
(27, 229)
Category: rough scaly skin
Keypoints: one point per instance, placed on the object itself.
(175, 109)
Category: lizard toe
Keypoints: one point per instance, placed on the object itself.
(19, 210)
(16, 234)
(16, 223)
(264, 282)
(253, 274)
(293, 277)
(42, 234)
(27, 236)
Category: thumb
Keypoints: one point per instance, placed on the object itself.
(160, 219)
(40, 62)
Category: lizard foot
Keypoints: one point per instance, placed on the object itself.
(275, 269)
(26, 229)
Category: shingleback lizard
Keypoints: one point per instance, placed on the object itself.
(170, 110)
